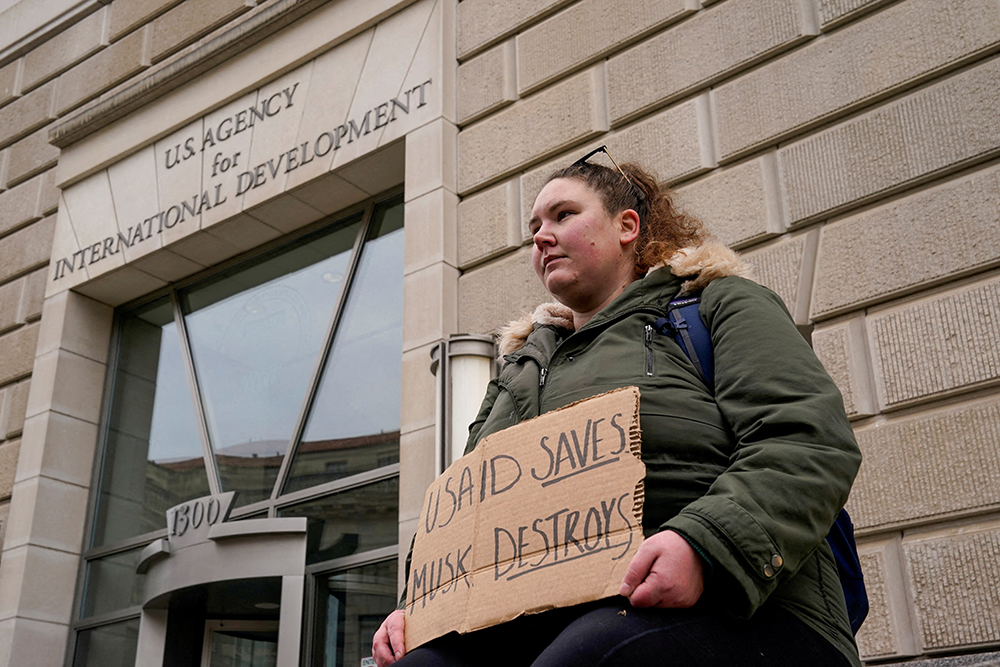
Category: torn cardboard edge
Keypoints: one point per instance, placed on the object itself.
(545, 514)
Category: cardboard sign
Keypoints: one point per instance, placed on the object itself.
(545, 514)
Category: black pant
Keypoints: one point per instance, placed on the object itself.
(611, 633)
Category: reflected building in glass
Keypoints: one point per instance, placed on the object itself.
(278, 379)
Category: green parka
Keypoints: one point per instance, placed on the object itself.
(752, 473)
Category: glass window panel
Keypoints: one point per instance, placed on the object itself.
(113, 584)
(350, 522)
(111, 645)
(322, 461)
(256, 335)
(153, 455)
(354, 422)
(244, 649)
(350, 606)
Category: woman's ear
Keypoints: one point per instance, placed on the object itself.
(628, 225)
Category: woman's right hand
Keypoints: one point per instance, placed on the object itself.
(665, 572)
(387, 644)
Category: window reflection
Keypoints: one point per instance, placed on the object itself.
(366, 357)
(257, 333)
(350, 607)
(243, 649)
(153, 456)
(321, 461)
(255, 337)
(111, 645)
(112, 583)
(351, 521)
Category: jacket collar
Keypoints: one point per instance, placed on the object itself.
(699, 265)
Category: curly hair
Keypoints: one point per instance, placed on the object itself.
(663, 227)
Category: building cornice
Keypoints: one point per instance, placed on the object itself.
(12, 47)
(159, 82)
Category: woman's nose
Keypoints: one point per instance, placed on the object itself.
(543, 236)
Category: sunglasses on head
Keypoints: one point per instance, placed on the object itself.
(604, 149)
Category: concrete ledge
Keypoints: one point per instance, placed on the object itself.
(160, 82)
(258, 555)
(153, 553)
(250, 527)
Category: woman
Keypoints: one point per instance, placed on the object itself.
(743, 479)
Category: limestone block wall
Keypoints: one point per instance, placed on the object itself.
(849, 148)
(51, 73)
(54, 65)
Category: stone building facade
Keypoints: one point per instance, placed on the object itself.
(160, 160)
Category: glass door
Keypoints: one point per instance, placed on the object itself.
(240, 644)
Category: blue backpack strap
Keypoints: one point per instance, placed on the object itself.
(683, 322)
(852, 580)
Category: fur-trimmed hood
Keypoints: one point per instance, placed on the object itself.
(702, 264)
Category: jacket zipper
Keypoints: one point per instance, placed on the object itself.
(649, 350)
(543, 373)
